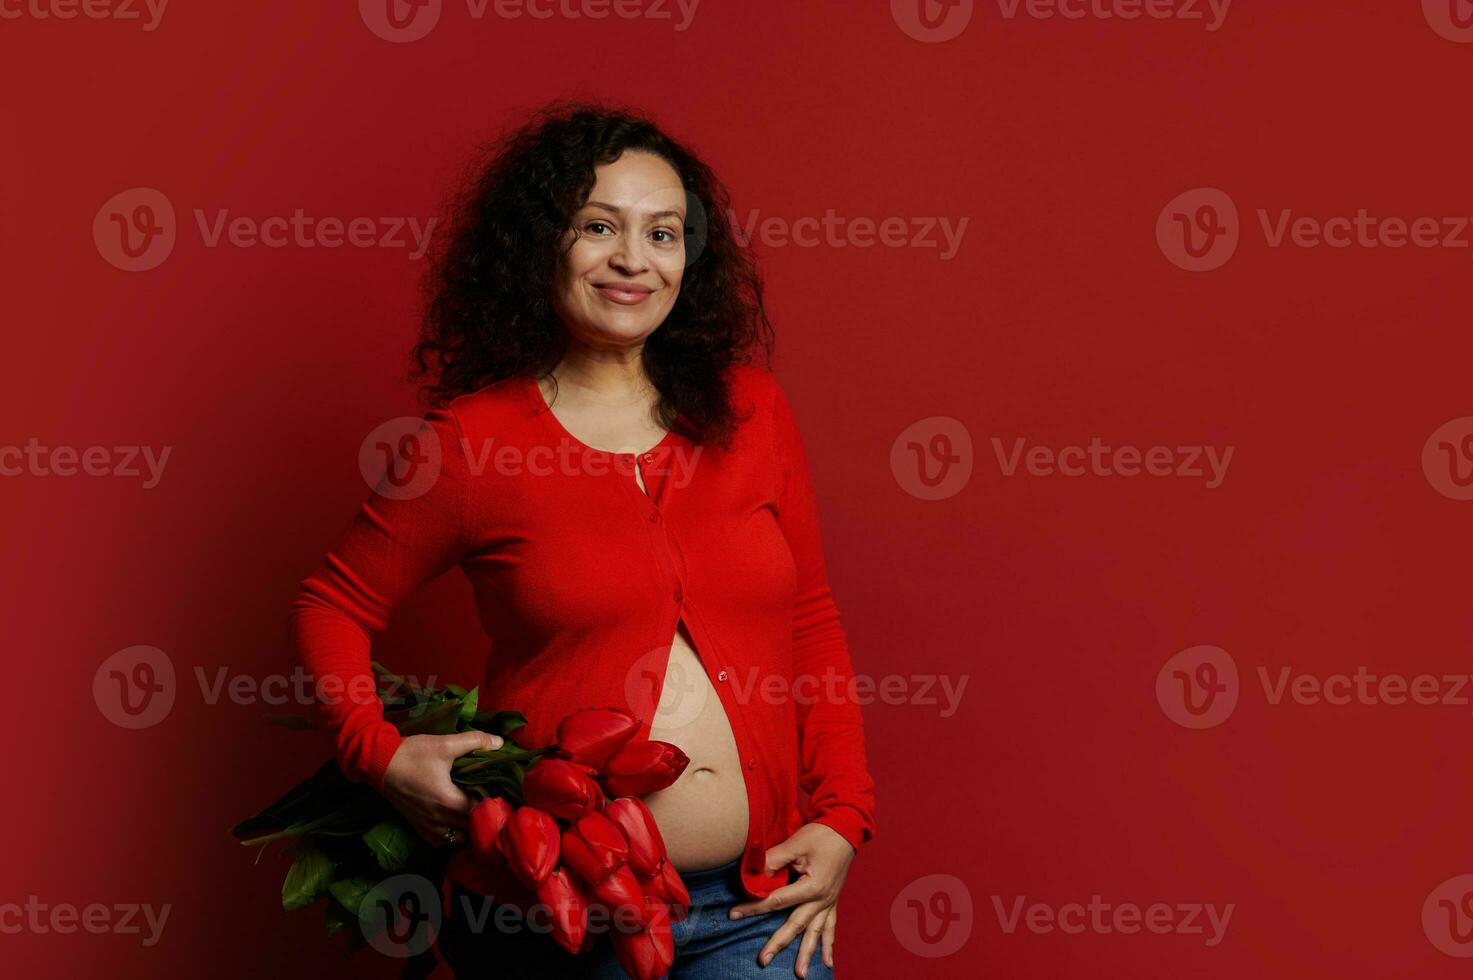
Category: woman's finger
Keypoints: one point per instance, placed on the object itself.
(455, 746)
(785, 934)
(811, 936)
(828, 936)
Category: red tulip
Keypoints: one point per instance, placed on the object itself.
(669, 887)
(487, 819)
(644, 767)
(594, 847)
(646, 846)
(648, 953)
(561, 894)
(492, 878)
(620, 891)
(530, 842)
(561, 788)
(591, 735)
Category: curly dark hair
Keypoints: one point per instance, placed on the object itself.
(489, 286)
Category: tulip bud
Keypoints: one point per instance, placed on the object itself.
(486, 820)
(591, 735)
(561, 788)
(646, 954)
(594, 847)
(646, 846)
(644, 767)
(530, 843)
(620, 891)
(569, 908)
(669, 887)
(491, 878)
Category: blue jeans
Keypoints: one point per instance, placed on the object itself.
(708, 945)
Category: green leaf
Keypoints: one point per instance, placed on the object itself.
(501, 723)
(350, 892)
(389, 841)
(313, 798)
(468, 704)
(308, 878)
(438, 719)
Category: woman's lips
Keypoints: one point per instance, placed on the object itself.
(624, 297)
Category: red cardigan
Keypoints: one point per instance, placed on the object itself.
(580, 579)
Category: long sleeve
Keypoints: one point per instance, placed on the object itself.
(833, 767)
(412, 527)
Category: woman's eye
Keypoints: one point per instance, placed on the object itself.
(595, 224)
(670, 238)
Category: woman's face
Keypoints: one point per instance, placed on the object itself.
(621, 275)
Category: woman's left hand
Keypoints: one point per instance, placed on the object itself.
(821, 857)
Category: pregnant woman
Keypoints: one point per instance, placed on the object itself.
(628, 494)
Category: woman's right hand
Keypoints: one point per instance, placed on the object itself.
(418, 782)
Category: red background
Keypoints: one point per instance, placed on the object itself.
(1059, 320)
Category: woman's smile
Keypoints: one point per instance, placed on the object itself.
(625, 294)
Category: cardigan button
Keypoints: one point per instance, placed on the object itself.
(679, 595)
(655, 517)
(751, 763)
(721, 676)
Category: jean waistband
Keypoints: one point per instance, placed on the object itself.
(724, 877)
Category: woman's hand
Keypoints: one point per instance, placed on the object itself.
(821, 856)
(418, 782)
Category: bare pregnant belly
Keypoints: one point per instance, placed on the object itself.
(703, 814)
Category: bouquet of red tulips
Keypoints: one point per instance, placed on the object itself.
(584, 841)
(561, 826)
